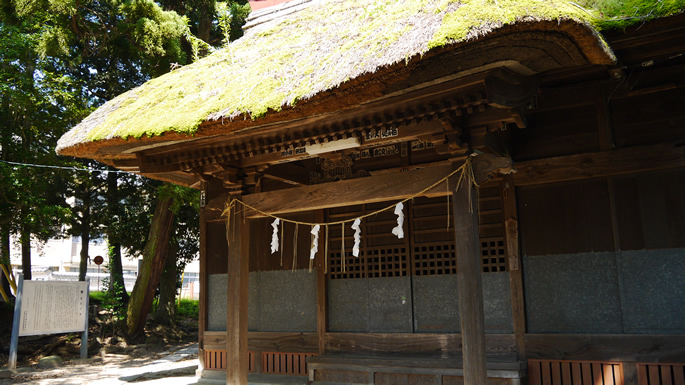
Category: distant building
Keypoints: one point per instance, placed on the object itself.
(58, 259)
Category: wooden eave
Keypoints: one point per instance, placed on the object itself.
(492, 97)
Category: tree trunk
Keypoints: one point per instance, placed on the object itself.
(85, 239)
(116, 273)
(26, 252)
(206, 19)
(154, 257)
(166, 308)
(4, 260)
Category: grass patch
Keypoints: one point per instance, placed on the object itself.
(188, 308)
(98, 297)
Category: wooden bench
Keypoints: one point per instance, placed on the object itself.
(385, 370)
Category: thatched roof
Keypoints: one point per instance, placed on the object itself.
(283, 63)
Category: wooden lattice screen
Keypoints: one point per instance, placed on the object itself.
(294, 364)
(216, 360)
(562, 372)
(381, 253)
(660, 374)
(428, 247)
(491, 228)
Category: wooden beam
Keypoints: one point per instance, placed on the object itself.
(604, 128)
(604, 347)
(237, 362)
(286, 342)
(430, 344)
(465, 209)
(493, 115)
(630, 160)
(126, 164)
(350, 192)
(518, 310)
(321, 294)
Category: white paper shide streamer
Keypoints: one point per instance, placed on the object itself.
(274, 237)
(399, 229)
(357, 236)
(315, 241)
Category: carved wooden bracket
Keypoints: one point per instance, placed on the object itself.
(486, 166)
(449, 142)
(338, 170)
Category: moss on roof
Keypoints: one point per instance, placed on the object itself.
(283, 61)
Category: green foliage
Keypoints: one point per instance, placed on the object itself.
(231, 16)
(188, 308)
(113, 298)
(113, 301)
(33, 96)
(186, 208)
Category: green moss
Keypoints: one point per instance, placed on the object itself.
(621, 14)
(472, 14)
(327, 44)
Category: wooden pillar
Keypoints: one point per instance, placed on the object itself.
(237, 362)
(211, 194)
(515, 275)
(321, 296)
(204, 278)
(465, 208)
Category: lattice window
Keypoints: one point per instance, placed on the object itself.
(428, 249)
(371, 263)
(493, 256)
(385, 262)
(491, 229)
(355, 267)
(437, 259)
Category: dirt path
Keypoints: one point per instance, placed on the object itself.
(138, 365)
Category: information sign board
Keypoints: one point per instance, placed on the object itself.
(50, 307)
